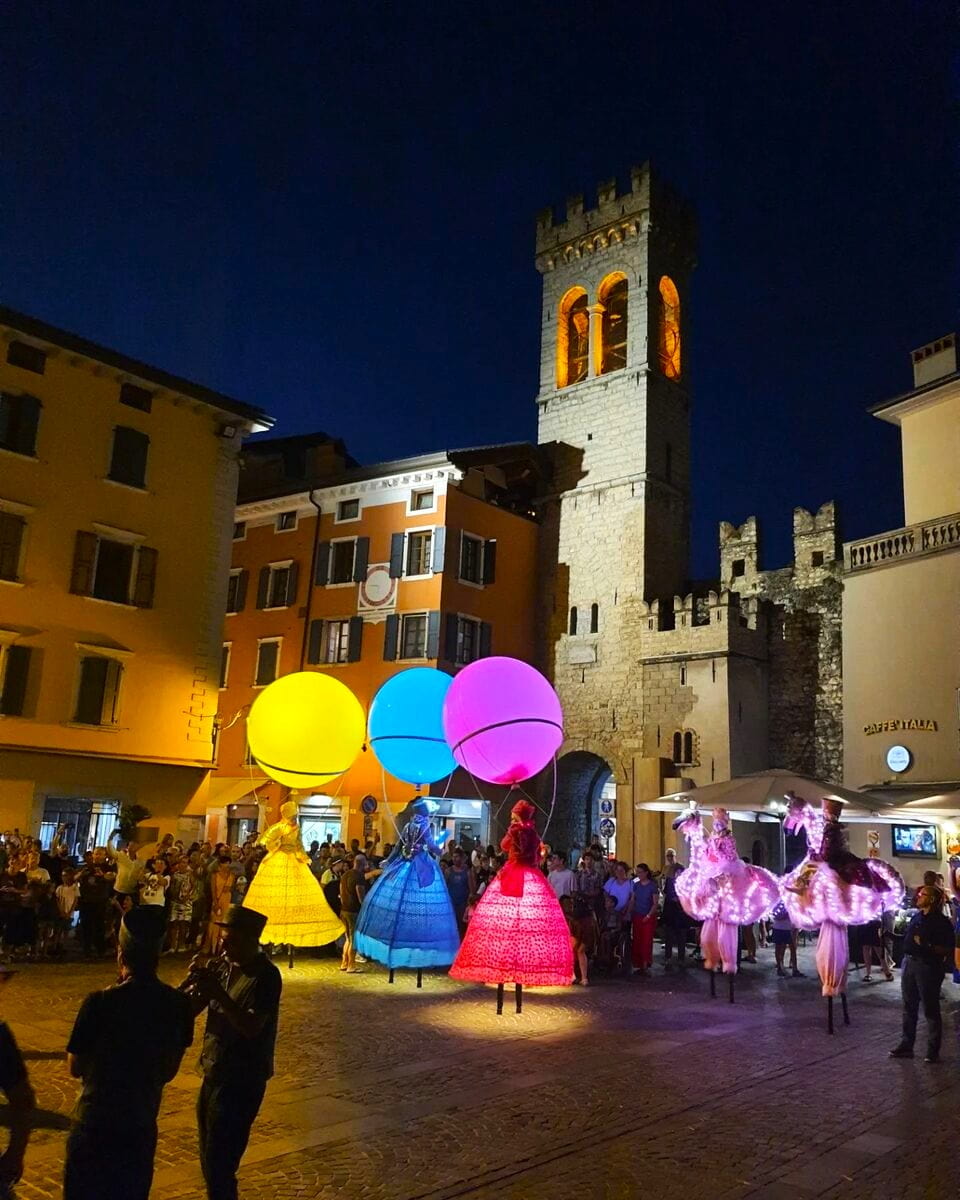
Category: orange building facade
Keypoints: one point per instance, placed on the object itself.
(428, 561)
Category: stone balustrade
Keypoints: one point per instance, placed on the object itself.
(928, 537)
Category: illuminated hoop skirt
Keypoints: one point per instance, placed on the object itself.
(285, 890)
(406, 919)
(517, 934)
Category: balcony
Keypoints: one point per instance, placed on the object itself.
(915, 541)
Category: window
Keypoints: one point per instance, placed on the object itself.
(286, 520)
(683, 748)
(739, 567)
(14, 673)
(683, 675)
(12, 529)
(115, 570)
(128, 459)
(278, 585)
(98, 690)
(268, 662)
(338, 641)
(572, 623)
(465, 639)
(678, 747)
(341, 561)
(225, 664)
(594, 618)
(422, 500)
(237, 591)
(468, 640)
(239, 530)
(348, 510)
(816, 559)
(413, 635)
(613, 324)
(687, 747)
(30, 358)
(419, 549)
(135, 397)
(573, 338)
(471, 559)
(19, 418)
(669, 338)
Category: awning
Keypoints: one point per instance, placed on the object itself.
(222, 791)
(764, 791)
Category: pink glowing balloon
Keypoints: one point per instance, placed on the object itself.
(502, 720)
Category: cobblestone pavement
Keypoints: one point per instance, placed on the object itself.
(631, 1086)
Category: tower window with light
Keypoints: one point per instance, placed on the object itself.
(573, 338)
(669, 336)
(613, 324)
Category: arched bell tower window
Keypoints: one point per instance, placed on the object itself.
(573, 338)
(678, 747)
(613, 323)
(669, 333)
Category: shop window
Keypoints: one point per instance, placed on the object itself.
(19, 418)
(613, 324)
(128, 457)
(98, 690)
(573, 338)
(669, 332)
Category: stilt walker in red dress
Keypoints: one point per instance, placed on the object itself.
(518, 933)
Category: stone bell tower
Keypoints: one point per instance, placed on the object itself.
(614, 413)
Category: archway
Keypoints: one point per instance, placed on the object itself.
(581, 779)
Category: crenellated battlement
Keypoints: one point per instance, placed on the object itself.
(816, 549)
(715, 623)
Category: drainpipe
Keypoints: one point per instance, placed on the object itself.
(310, 585)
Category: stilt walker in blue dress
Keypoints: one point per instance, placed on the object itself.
(407, 919)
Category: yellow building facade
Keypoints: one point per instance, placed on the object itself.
(117, 490)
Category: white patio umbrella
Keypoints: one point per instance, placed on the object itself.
(764, 791)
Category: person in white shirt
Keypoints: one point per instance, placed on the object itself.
(560, 877)
(129, 871)
(154, 884)
(67, 895)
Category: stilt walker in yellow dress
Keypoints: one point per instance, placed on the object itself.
(286, 891)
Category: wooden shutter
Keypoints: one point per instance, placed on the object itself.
(128, 462)
(110, 710)
(489, 561)
(84, 563)
(486, 639)
(439, 548)
(293, 576)
(93, 680)
(322, 570)
(396, 555)
(355, 642)
(450, 638)
(15, 675)
(451, 561)
(433, 635)
(391, 636)
(11, 539)
(361, 559)
(146, 580)
(28, 418)
(263, 586)
(314, 640)
(242, 581)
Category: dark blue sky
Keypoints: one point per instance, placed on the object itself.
(328, 210)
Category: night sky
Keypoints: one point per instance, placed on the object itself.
(328, 210)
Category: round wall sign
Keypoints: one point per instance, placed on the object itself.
(368, 805)
(608, 827)
(606, 808)
(898, 758)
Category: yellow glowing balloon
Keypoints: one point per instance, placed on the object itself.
(305, 729)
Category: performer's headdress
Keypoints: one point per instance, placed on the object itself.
(832, 808)
(524, 811)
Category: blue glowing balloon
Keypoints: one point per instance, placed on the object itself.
(405, 730)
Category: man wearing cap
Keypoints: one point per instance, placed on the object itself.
(127, 1043)
(241, 992)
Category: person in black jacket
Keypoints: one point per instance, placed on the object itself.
(927, 946)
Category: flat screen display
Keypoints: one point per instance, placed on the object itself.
(915, 841)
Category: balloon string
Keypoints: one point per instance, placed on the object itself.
(553, 800)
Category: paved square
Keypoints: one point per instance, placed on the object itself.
(630, 1088)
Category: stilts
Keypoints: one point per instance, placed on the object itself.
(519, 997)
(829, 1014)
(499, 999)
(731, 978)
(713, 984)
(846, 1012)
(419, 977)
(390, 978)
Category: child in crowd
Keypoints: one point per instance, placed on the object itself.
(66, 895)
(610, 933)
(181, 906)
(784, 935)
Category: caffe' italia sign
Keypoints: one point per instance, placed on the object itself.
(902, 724)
